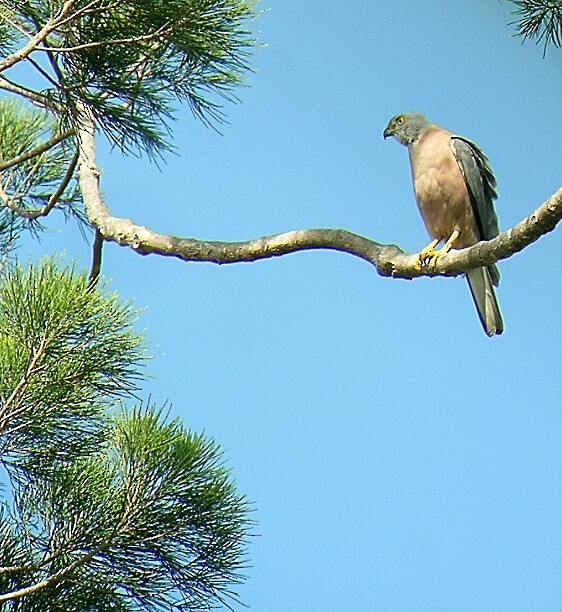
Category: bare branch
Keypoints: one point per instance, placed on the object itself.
(389, 260)
(63, 185)
(17, 568)
(89, 9)
(160, 33)
(44, 210)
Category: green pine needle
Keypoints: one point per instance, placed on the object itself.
(65, 352)
(127, 63)
(540, 20)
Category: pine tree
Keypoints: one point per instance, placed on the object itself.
(108, 504)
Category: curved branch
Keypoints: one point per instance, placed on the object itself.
(389, 260)
(35, 213)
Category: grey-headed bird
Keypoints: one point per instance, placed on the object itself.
(455, 189)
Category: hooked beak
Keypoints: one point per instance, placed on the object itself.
(387, 133)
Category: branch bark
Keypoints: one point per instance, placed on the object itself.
(29, 94)
(388, 259)
(35, 213)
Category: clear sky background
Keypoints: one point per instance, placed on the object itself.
(397, 458)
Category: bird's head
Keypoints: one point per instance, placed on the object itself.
(407, 128)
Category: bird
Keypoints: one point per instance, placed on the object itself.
(455, 190)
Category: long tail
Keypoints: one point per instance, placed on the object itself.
(486, 301)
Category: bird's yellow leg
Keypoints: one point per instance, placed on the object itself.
(429, 255)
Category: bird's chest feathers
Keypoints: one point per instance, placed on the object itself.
(439, 186)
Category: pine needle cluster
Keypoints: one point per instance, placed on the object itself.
(539, 20)
(126, 63)
(105, 507)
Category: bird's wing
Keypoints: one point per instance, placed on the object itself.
(481, 184)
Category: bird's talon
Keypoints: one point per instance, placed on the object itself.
(428, 250)
(427, 254)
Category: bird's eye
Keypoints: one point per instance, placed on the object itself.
(400, 120)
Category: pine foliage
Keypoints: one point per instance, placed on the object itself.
(539, 20)
(108, 507)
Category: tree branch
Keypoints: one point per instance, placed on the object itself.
(30, 95)
(55, 197)
(45, 146)
(9, 408)
(36, 41)
(389, 260)
(97, 250)
(160, 33)
(57, 577)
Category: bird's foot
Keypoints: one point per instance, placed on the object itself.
(429, 255)
(426, 254)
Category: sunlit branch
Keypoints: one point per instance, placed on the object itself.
(89, 9)
(116, 41)
(389, 260)
(63, 184)
(24, 188)
(29, 94)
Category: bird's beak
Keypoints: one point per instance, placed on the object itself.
(387, 133)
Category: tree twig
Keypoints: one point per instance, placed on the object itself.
(30, 94)
(45, 146)
(44, 210)
(97, 249)
(161, 32)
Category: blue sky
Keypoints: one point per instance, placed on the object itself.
(397, 458)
